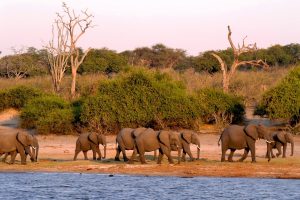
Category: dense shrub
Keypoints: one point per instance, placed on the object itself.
(283, 101)
(17, 97)
(219, 107)
(153, 99)
(139, 99)
(48, 114)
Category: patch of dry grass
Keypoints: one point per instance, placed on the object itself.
(248, 84)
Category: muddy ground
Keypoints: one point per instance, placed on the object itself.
(56, 155)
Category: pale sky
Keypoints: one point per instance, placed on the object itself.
(192, 25)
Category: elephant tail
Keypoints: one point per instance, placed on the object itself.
(220, 139)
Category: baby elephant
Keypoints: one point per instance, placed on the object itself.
(90, 141)
(281, 139)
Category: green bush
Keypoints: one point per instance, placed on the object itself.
(58, 121)
(283, 101)
(139, 99)
(48, 114)
(17, 97)
(145, 98)
(219, 107)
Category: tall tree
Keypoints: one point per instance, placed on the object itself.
(76, 26)
(58, 53)
(237, 52)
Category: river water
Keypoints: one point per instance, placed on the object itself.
(103, 186)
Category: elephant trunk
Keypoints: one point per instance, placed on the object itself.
(36, 154)
(292, 147)
(198, 149)
(104, 156)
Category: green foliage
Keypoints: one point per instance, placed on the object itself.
(141, 98)
(33, 62)
(220, 107)
(102, 61)
(48, 114)
(17, 97)
(283, 101)
(144, 98)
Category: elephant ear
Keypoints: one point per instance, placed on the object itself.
(186, 136)
(289, 137)
(101, 139)
(251, 131)
(92, 137)
(164, 138)
(25, 139)
(282, 137)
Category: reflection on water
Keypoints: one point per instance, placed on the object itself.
(101, 186)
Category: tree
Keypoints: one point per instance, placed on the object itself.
(58, 53)
(237, 52)
(23, 63)
(76, 26)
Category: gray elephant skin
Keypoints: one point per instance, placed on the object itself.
(14, 143)
(151, 140)
(125, 141)
(90, 141)
(31, 151)
(188, 137)
(281, 139)
(242, 137)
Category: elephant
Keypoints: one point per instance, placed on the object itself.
(34, 149)
(18, 142)
(125, 141)
(242, 137)
(188, 137)
(151, 140)
(90, 141)
(280, 138)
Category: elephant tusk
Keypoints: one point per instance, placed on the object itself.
(34, 148)
(198, 147)
(269, 141)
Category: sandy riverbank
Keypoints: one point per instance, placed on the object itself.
(56, 154)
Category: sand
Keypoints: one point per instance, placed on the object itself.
(56, 155)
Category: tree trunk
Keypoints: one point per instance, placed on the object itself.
(225, 82)
(73, 85)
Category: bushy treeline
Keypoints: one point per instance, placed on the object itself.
(283, 101)
(132, 99)
(34, 62)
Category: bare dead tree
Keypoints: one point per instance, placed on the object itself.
(237, 51)
(58, 53)
(76, 26)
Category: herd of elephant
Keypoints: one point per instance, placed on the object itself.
(142, 140)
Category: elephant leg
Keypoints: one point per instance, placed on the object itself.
(272, 154)
(155, 155)
(5, 156)
(118, 151)
(85, 155)
(167, 152)
(142, 157)
(183, 155)
(160, 156)
(122, 148)
(231, 155)
(76, 154)
(131, 160)
(96, 149)
(188, 151)
(278, 147)
(252, 149)
(284, 150)
(246, 151)
(224, 149)
(13, 157)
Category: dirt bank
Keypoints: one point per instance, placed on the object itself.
(56, 154)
